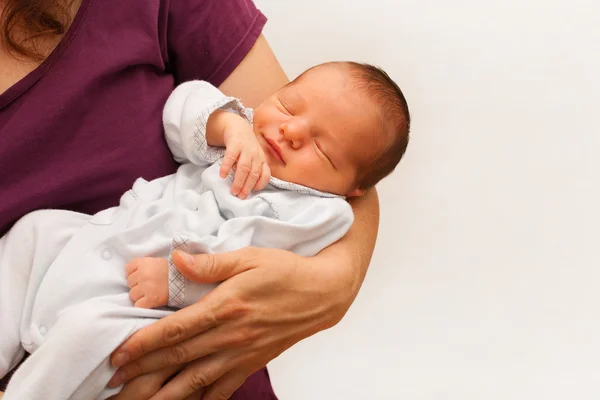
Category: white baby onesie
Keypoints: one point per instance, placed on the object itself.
(63, 290)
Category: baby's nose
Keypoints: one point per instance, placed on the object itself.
(295, 132)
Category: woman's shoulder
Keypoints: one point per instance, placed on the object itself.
(191, 39)
(208, 39)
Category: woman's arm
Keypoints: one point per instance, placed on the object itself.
(356, 248)
(257, 77)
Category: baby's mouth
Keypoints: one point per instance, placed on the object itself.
(275, 150)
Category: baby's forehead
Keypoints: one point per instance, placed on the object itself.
(335, 90)
(325, 72)
(337, 81)
(365, 140)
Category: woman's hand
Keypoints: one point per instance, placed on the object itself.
(145, 386)
(269, 300)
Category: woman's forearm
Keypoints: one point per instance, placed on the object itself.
(356, 248)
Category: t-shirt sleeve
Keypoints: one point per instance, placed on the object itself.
(207, 39)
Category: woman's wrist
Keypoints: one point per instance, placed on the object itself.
(335, 282)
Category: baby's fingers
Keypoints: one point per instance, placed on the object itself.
(231, 155)
(252, 179)
(242, 170)
(265, 176)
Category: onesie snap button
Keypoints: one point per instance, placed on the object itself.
(43, 329)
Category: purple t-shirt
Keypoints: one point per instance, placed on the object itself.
(76, 132)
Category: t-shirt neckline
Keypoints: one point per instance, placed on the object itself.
(23, 85)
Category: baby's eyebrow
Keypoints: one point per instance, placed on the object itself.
(285, 104)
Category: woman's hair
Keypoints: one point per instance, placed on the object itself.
(24, 22)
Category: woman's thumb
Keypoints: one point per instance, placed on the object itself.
(208, 268)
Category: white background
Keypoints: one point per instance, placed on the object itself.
(485, 282)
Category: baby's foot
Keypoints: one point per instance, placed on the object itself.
(148, 281)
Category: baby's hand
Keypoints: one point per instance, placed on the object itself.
(148, 281)
(243, 150)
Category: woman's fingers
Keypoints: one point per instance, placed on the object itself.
(212, 268)
(197, 375)
(145, 386)
(181, 353)
(196, 396)
(168, 331)
(224, 387)
(189, 321)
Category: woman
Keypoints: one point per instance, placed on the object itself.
(82, 85)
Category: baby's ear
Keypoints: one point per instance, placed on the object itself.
(356, 193)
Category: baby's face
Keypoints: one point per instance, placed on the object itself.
(318, 131)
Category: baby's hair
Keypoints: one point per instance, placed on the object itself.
(377, 84)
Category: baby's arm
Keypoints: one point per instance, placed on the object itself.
(304, 229)
(242, 150)
(185, 119)
(219, 122)
(200, 121)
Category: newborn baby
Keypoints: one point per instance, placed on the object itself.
(75, 286)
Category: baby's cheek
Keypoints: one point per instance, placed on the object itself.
(311, 171)
(256, 126)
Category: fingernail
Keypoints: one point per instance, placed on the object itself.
(120, 359)
(189, 260)
(117, 379)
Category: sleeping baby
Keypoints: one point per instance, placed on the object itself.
(75, 286)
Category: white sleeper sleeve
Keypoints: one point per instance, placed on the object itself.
(185, 116)
(303, 229)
